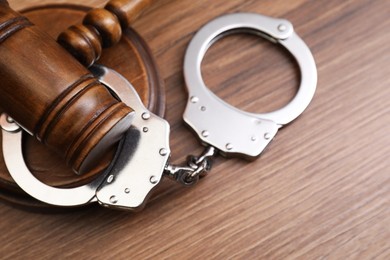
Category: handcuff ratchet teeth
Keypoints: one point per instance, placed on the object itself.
(142, 157)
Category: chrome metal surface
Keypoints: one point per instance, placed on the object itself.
(8, 124)
(196, 167)
(142, 157)
(137, 167)
(13, 157)
(140, 164)
(232, 131)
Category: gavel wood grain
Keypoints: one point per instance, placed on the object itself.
(130, 57)
(320, 191)
(101, 28)
(54, 97)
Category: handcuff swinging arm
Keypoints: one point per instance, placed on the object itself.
(142, 159)
(230, 130)
(126, 183)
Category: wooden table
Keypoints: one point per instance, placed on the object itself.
(321, 190)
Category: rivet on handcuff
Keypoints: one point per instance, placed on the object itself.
(142, 157)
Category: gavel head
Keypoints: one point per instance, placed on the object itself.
(53, 97)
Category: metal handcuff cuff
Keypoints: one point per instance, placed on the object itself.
(142, 157)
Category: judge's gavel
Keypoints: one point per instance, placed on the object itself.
(55, 98)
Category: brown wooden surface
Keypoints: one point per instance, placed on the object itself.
(101, 28)
(130, 57)
(54, 97)
(321, 190)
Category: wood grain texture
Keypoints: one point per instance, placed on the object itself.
(54, 97)
(321, 190)
(101, 28)
(131, 57)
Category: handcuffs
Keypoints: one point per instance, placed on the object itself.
(143, 154)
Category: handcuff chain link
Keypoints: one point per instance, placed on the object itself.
(196, 168)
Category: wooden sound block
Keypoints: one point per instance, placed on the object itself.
(130, 57)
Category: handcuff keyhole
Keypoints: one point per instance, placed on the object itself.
(251, 73)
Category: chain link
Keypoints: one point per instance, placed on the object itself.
(196, 167)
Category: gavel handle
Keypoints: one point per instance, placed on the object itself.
(101, 28)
